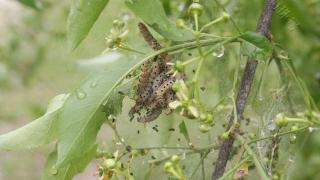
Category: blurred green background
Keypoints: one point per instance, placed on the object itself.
(36, 64)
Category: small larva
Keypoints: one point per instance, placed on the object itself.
(169, 96)
(157, 81)
(154, 71)
(144, 77)
(165, 86)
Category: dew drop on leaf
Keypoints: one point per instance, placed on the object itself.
(93, 84)
(125, 16)
(219, 53)
(271, 126)
(81, 94)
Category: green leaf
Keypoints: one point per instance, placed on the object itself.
(113, 104)
(39, 132)
(299, 13)
(256, 46)
(82, 115)
(67, 172)
(29, 3)
(83, 15)
(152, 13)
(183, 130)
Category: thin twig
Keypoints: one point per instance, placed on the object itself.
(244, 90)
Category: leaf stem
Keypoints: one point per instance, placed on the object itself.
(256, 161)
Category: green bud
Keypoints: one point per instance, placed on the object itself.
(185, 104)
(195, 9)
(294, 128)
(281, 120)
(203, 116)
(109, 163)
(168, 166)
(180, 23)
(209, 119)
(175, 159)
(225, 16)
(178, 66)
(224, 136)
(204, 128)
(252, 135)
(134, 153)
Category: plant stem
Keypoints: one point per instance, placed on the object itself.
(243, 92)
(203, 156)
(279, 134)
(256, 161)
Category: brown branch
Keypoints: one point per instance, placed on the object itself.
(243, 92)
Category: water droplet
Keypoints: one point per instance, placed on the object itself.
(271, 126)
(125, 16)
(81, 94)
(93, 84)
(54, 170)
(219, 53)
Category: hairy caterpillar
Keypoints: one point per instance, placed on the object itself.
(169, 96)
(154, 87)
(165, 86)
(158, 80)
(155, 45)
(144, 77)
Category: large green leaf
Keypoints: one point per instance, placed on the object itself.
(82, 114)
(67, 172)
(39, 132)
(83, 15)
(152, 13)
(256, 46)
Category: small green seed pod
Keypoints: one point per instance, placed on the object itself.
(180, 23)
(204, 128)
(195, 9)
(224, 136)
(175, 159)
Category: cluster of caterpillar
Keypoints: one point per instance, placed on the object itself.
(154, 91)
